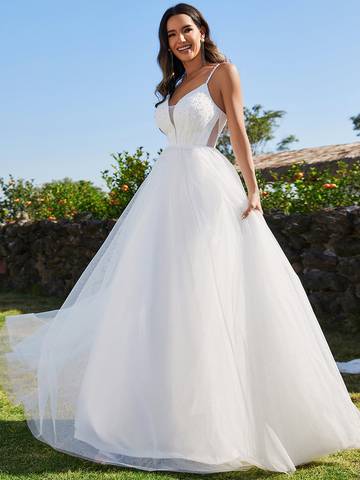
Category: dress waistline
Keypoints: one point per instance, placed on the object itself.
(188, 146)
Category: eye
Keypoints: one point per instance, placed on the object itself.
(188, 29)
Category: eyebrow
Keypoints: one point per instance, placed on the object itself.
(169, 31)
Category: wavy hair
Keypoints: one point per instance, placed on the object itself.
(211, 52)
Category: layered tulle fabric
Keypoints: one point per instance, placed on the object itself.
(187, 344)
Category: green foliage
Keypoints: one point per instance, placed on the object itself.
(129, 171)
(356, 123)
(17, 196)
(303, 191)
(300, 189)
(260, 127)
(52, 200)
(285, 143)
(66, 198)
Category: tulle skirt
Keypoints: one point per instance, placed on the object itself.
(187, 344)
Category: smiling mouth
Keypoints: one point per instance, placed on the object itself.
(184, 49)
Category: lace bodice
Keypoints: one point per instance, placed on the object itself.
(194, 120)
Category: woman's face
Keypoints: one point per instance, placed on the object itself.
(183, 37)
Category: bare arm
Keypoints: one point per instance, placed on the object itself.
(231, 92)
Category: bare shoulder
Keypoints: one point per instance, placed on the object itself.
(228, 75)
(227, 90)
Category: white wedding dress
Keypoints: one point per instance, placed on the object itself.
(188, 343)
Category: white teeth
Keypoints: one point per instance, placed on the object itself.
(184, 48)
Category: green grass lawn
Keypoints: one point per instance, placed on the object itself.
(24, 457)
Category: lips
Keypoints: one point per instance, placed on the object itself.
(184, 48)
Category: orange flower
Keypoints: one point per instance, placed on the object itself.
(17, 200)
(264, 194)
(298, 175)
(124, 187)
(28, 203)
(51, 217)
(329, 185)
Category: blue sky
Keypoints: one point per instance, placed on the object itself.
(78, 77)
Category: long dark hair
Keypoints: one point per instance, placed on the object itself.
(211, 51)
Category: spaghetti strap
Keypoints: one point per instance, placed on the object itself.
(212, 71)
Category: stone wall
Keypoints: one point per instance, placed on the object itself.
(47, 257)
(323, 248)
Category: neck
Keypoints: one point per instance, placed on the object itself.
(192, 66)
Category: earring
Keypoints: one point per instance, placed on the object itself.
(171, 63)
(203, 50)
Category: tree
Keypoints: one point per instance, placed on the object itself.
(260, 127)
(356, 123)
(284, 144)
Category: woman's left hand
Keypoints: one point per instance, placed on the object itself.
(253, 204)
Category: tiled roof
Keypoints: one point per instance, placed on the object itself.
(319, 156)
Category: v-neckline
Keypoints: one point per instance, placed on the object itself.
(172, 120)
(194, 89)
(171, 117)
(186, 94)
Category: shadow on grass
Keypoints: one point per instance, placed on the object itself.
(345, 346)
(27, 303)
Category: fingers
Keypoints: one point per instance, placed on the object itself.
(248, 210)
(245, 213)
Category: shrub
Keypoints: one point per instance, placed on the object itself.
(17, 196)
(67, 198)
(304, 191)
(52, 200)
(300, 189)
(129, 171)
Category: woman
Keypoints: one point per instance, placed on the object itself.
(188, 343)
